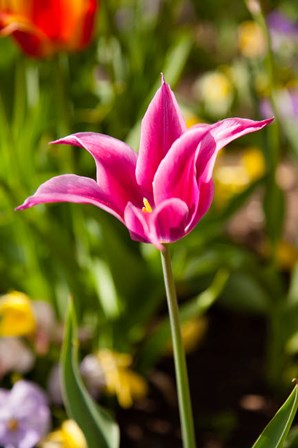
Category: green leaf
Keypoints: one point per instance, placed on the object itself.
(245, 292)
(292, 439)
(176, 58)
(275, 433)
(97, 425)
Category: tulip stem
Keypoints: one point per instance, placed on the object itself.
(185, 409)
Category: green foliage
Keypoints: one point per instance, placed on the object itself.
(275, 433)
(96, 423)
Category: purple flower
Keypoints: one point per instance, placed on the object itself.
(283, 31)
(287, 102)
(160, 194)
(24, 415)
(281, 24)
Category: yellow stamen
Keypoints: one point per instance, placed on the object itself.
(147, 207)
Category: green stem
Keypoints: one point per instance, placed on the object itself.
(184, 400)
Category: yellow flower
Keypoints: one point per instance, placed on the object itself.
(251, 40)
(253, 162)
(120, 380)
(193, 332)
(191, 119)
(68, 436)
(16, 315)
(215, 89)
(286, 254)
(229, 180)
(232, 178)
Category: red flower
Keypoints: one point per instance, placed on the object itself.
(42, 28)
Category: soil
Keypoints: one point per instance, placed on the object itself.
(227, 379)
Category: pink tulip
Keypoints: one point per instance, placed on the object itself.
(161, 193)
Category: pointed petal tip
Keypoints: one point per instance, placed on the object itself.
(70, 139)
(164, 82)
(28, 203)
(22, 206)
(54, 142)
(269, 120)
(263, 123)
(60, 140)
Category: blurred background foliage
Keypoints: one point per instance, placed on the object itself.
(221, 59)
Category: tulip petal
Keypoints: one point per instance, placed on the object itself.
(65, 26)
(43, 28)
(161, 126)
(175, 176)
(219, 135)
(169, 221)
(187, 167)
(31, 39)
(137, 223)
(115, 163)
(73, 188)
(205, 194)
(223, 132)
(165, 224)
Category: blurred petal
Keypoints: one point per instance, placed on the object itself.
(161, 126)
(15, 356)
(43, 28)
(16, 315)
(69, 435)
(68, 24)
(78, 189)
(26, 409)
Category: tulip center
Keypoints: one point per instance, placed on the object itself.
(147, 207)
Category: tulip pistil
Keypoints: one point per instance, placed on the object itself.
(147, 207)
